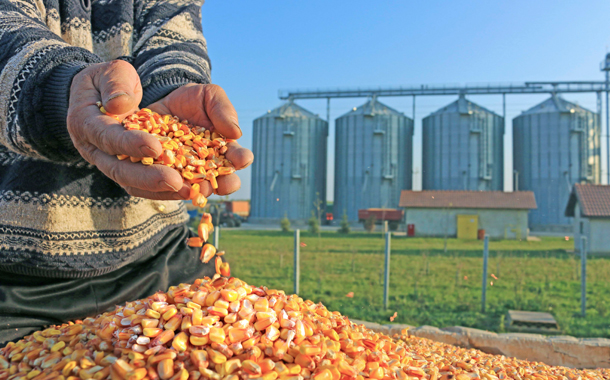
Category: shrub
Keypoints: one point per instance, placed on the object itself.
(285, 224)
(344, 229)
(314, 224)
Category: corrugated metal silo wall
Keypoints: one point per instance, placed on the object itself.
(373, 162)
(463, 151)
(551, 152)
(289, 170)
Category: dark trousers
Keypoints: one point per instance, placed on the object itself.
(28, 303)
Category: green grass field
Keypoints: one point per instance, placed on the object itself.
(429, 286)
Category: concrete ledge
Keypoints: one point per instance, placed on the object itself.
(553, 350)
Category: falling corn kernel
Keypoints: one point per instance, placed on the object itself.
(207, 253)
(195, 242)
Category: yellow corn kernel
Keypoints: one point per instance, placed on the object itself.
(58, 346)
(154, 314)
(195, 242)
(180, 342)
(216, 357)
(137, 374)
(217, 335)
(147, 161)
(165, 369)
(207, 253)
(199, 340)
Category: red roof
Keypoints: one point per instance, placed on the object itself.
(519, 200)
(594, 200)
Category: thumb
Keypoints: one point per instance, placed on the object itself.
(120, 87)
(221, 112)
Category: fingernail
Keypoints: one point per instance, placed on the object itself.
(148, 152)
(237, 125)
(115, 95)
(166, 184)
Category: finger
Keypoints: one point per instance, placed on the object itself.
(153, 178)
(160, 196)
(220, 111)
(105, 133)
(159, 108)
(206, 189)
(239, 156)
(228, 184)
(119, 86)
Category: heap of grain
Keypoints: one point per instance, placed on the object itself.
(224, 329)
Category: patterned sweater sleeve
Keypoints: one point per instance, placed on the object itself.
(36, 70)
(169, 47)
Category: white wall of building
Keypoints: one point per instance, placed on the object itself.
(596, 230)
(496, 223)
(599, 236)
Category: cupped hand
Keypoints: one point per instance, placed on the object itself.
(99, 138)
(208, 106)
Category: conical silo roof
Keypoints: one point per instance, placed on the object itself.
(373, 107)
(463, 106)
(290, 109)
(555, 104)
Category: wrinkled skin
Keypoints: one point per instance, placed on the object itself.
(99, 138)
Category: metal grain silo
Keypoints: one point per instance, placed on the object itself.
(463, 148)
(373, 158)
(555, 144)
(289, 170)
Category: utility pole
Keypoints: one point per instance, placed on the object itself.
(297, 265)
(607, 128)
(583, 276)
(485, 260)
(386, 282)
(605, 66)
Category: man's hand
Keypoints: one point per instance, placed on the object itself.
(208, 106)
(99, 138)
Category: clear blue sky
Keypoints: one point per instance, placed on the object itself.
(258, 47)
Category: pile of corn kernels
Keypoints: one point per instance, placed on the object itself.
(196, 153)
(224, 329)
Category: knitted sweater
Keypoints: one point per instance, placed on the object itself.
(59, 216)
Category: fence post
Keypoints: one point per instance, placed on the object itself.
(485, 260)
(386, 282)
(297, 265)
(583, 276)
(217, 237)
